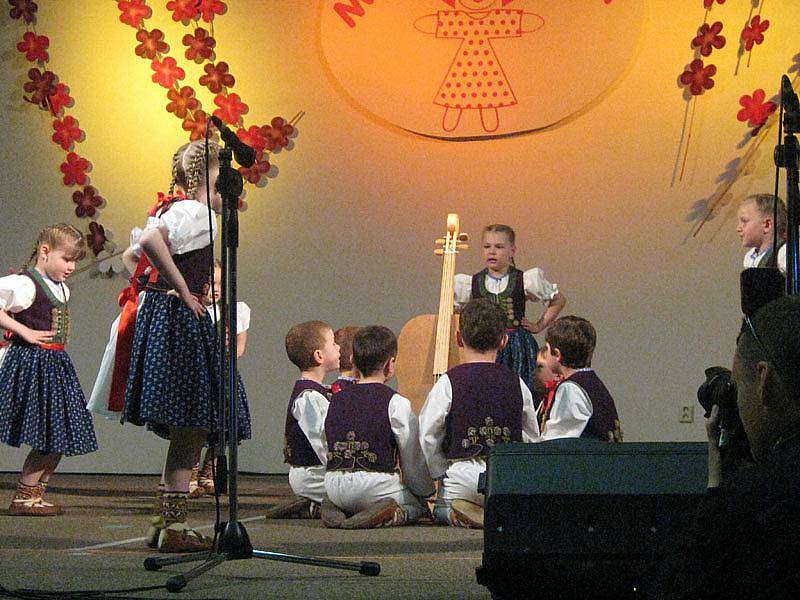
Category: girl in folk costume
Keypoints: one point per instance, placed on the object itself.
(41, 401)
(173, 375)
(511, 288)
(202, 481)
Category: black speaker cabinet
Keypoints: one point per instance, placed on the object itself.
(578, 518)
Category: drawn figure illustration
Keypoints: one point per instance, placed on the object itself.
(475, 79)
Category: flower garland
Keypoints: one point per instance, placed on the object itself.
(200, 46)
(44, 90)
(698, 77)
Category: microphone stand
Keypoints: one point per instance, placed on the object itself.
(786, 157)
(232, 541)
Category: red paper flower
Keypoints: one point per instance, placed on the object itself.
(60, 99)
(152, 43)
(200, 46)
(196, 125)
(231, 108)
(755, 110)
(42, 84)
(133, 12)
(253, 137)
(74, 169)
(708, 38)
(88, 201)
(182, 102)
(709, 3)
(166, 72)
(34, 46)
(209, 8)
(257, 171)
(754, 33)
(217, 77)
(277, 133)
(698, 77)
(183, 10)
(67, 132)
(25, 9)
(96, 238)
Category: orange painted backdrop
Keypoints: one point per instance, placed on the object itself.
(345, 232)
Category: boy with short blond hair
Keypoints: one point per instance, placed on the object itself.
(756, 228)
(312, 349)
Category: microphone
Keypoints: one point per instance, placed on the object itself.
(244, 154)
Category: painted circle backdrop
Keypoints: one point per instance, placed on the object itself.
(552, 60)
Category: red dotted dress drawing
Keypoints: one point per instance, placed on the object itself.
(475, 79)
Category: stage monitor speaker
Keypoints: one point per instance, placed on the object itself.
(580, 518)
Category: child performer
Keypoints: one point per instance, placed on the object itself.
(583, 406)
(173, 377)
(756, 228)
(369, 429)
(313, 350)
(545, 385)
(202, 481)
(41, 401)
(471, 409)
(347, 372)
(509, 287)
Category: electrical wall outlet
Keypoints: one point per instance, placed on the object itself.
(687, 414)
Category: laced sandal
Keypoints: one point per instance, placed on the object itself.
(176, 536)
(28, 502)
(332, 516)
(195, 489)
(466, 514)
(386, 513)
(294, 508)
(156, 520)
(205, 478)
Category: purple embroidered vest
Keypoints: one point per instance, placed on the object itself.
(511, 299)
(45, 313)
(195, 266)
(604, 422)
(358, 430)
(297, 450)
(486, 409)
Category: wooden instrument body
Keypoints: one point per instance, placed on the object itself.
(416, 347)
(427, 346)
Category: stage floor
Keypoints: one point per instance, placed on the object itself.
(98, 544)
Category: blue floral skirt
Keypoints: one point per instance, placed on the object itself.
(519, 355)
(174, 371)
(42, 404)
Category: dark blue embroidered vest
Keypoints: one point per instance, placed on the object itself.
(341, 384)
(486, 409)
(511, 299)
(195, 266)
(45, 313)
(604, 422)
(358, 430)
(297, 450)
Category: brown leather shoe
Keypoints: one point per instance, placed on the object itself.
(332, 516)
(178, 538)
(296, 507)
(28, 502)
(466, 514)
(385, 513)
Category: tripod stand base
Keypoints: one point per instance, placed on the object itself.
(233, 543)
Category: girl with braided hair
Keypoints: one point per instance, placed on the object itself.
(172, 373)
(41, 401)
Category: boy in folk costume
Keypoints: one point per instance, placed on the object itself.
(347, 371)
(472, 408)
(312, 349)
(582, 406)
(376, 472)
